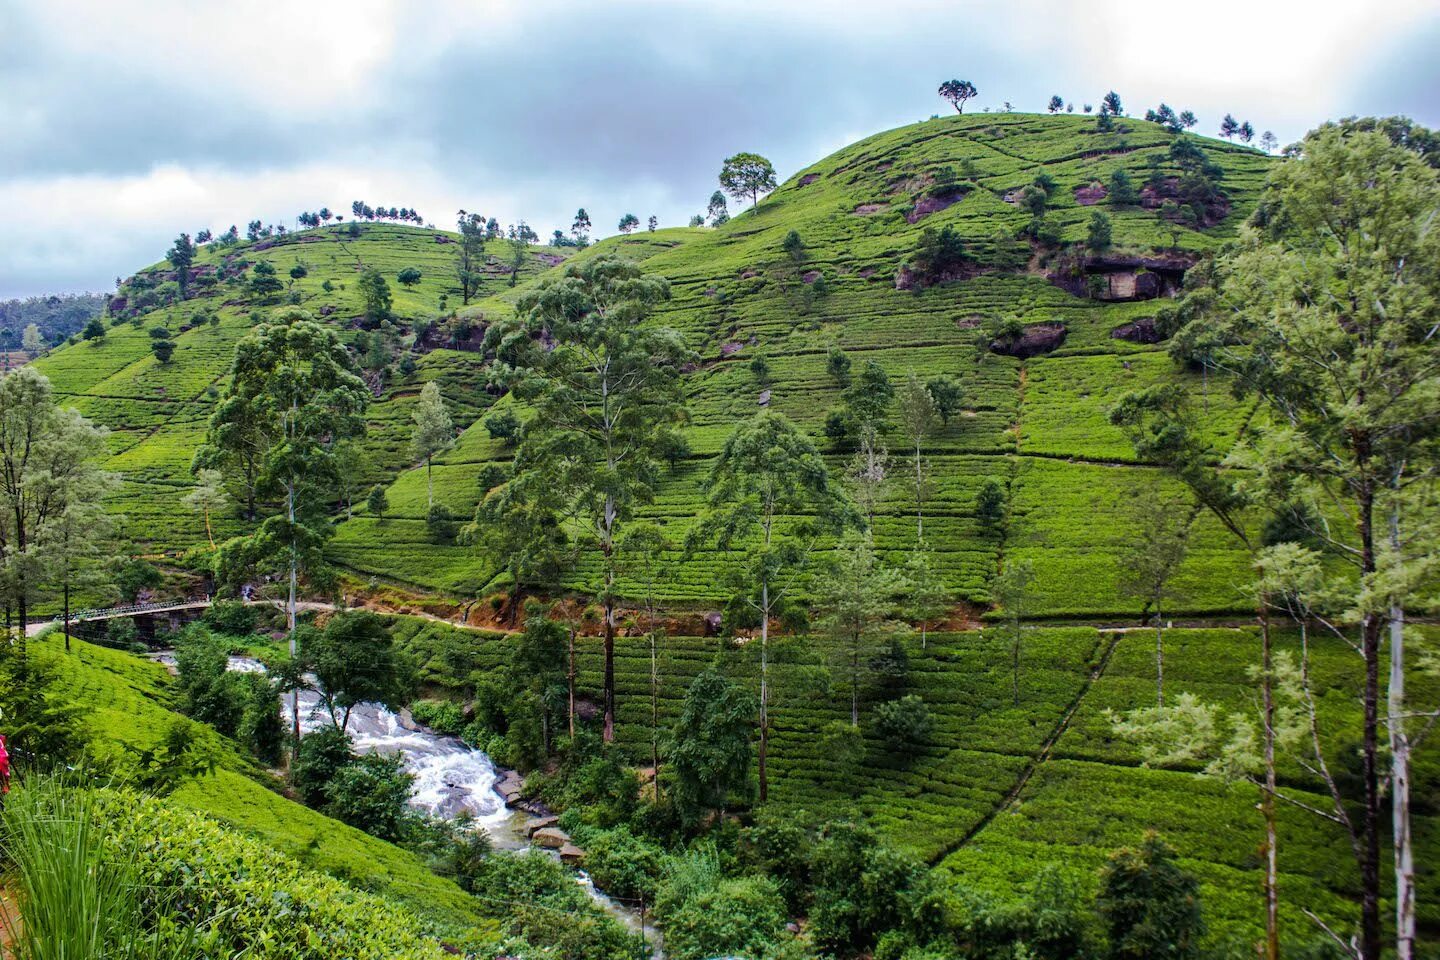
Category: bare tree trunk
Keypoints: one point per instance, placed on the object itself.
(1400, 777)
(570, 680)
(764, 689)
(66, 614)
(1267, 801)
(290, 624)
(1370, 926)
(1159, 658)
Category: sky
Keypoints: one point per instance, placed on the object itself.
(124, 122)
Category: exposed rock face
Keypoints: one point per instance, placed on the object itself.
(1088, 196)
(510, 786)
(764, 400)
(1123, 278)
(865, 209)
(907, 279)
(808, 179)
(1141, 331)
(927, 205)
(1036, 339)
(551, 838)
(539, 823)
(441, 238)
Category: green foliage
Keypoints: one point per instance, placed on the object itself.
(742, 916)
(377, 502)
(747, 175)
(710, 747)
(42, 727)
(939, 253)
(371, 793)
(375, 293)
(503, 425)
(1121, 191)
(442, 716)
(1098, 235)
(905, 724)
(1150, 906)
(354, 661)
(441, 526)
(323, 754)
(409, 276)
(264, 284)
(232, 618)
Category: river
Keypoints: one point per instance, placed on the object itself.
(451, 778)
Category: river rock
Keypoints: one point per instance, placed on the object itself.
(510, 786)
(552, 838)
(539, 823)
(571, 854)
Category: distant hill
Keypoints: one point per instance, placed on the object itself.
(57, 315)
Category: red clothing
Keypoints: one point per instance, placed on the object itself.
(4, 767)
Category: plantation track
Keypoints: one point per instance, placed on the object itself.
(1012, 796)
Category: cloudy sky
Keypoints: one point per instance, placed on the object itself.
(123, 123)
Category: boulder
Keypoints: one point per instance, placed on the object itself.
(551, 838)
(571, 854)
(1141, 331)
(510, 786)
(539, 823)
(1036, 339)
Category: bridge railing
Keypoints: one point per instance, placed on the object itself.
(126, 610)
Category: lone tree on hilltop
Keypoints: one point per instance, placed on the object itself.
(1056, 104)
(747, 175)
(580, 227)
(1247, 132)
(472, 251)
(181, 256)
(629, 222)
(1111, 104)
(652, 223)
(957, 92)
(1229, 127)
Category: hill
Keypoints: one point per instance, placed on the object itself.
(1042, 334)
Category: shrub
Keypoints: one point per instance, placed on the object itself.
(1149, 905)
(409, 276)
(442, 716)
(905, 724)
(441, 525)
(371, 794)
(323, 754)
(742, 916)
(502, 425)
(231, 617)
(623, 864)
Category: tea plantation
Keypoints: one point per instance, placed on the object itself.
(1003, 788)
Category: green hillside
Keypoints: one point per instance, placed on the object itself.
(1005, 788)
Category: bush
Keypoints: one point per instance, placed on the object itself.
(371, 794)
(441, 526)
(623, 864)
(502, 425)
(323, 754)
(408, 276)
(442, 716)
(742, 916)
(905, 724)
(231, 617)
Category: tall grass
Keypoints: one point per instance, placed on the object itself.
(77, 899)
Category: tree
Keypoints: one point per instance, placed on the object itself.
(857, 601)
(377, 502)
(747, 175)
(1151, 558)
(1057, 103)
(470, 266)
(868, 398)
(1122, 192)
(48, 463)
(94, 330)
(628, 223)
(1149, 905)
(1110, 104)
(409, 276)
(1186, 119)
(1268, 141)
(605, 398)
(375, 292)
(760, 367)
(837, 364)
(371, 793)
(1343, 278)
(710, 745)
(433, 433)
(948, 396)
(644, 549)
(264, 284)
(768, 469)
(956, 92)
(904, 724)
(207, 498)
(652, 223)
(181, 255)
(580, 227)
(76, 546)
(1097, 232)
(717, 211)
(1229, 127)
(926, 597)
(1011, 590)
(919, 418)
(31, 341)
(868, 472)
(162, 349)
(354, 661)
(518, 238)
(293, 389)
(298, 272)
(1246, 132)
